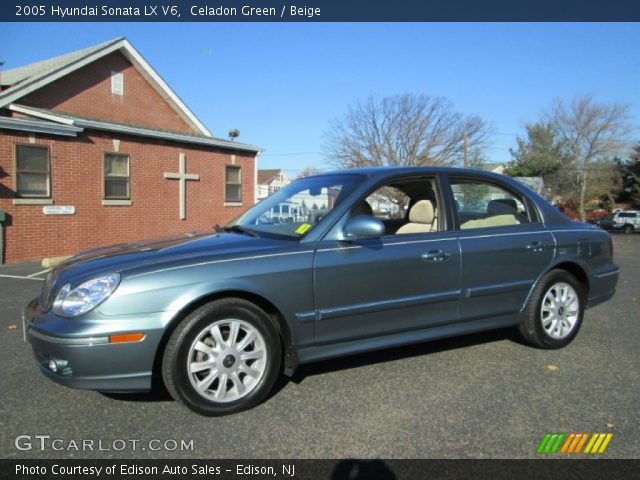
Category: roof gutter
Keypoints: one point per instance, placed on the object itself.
(176, 137)
(82, 123)
(37, 126)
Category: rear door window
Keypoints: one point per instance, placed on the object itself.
(481, 204)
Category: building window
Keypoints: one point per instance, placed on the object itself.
(116, 177)
(233, 191)
(33, 171)
(117, 83)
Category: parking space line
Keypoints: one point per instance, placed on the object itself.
(22, 278)
(38, 273)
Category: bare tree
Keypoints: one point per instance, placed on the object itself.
(590, 132)
(308, 171)
(402, 130)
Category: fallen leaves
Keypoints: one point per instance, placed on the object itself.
(552, 368)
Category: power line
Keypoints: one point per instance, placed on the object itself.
(293, 154)
(283, 154)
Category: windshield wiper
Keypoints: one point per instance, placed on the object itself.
(239, 229)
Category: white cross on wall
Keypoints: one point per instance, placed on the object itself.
(183, 176)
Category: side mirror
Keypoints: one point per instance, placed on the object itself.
(363, 227)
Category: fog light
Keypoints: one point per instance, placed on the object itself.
(57, 365)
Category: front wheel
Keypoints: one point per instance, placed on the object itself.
(223, 358)
(555, 311)
(628, 228)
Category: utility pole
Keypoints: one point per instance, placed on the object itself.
(464, 187)
(465, 150)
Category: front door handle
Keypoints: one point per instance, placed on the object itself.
(435, 256)
(535, 246)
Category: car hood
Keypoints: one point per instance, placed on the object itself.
(158, 253)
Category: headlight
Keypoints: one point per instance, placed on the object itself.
(85, 297)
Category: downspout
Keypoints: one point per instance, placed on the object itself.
(255, 178)
(3, 216)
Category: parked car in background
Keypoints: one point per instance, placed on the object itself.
(605, 222)
(217, 316)
(627, 221)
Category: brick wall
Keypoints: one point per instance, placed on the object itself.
(76, 175)
(87, 92)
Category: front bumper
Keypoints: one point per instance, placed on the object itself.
(87, 359)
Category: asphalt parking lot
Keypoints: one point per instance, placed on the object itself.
(479, 396)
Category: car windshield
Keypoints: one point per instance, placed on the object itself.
(296, 209)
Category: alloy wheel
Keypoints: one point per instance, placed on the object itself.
(559, 310)
(227, 360)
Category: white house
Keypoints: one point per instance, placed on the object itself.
(270, 181)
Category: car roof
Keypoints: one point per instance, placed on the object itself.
(371, 171)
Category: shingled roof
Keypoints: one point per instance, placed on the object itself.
(21, 81)
(265, 176)
(14, 76)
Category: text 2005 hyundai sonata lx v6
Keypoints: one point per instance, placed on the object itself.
(330, 265)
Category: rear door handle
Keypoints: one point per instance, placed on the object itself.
(535, 246)
(435, 256)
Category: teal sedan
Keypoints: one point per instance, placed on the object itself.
(331, 265)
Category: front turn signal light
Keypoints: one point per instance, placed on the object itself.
(126, 338)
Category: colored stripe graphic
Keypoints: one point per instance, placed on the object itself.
(573, 443)
(543, 443)
(598, 443)
(556, 445)
(567, 442)
(550, 443)
(594, 437)
(581, 443)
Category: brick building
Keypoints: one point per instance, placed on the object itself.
(96, 149)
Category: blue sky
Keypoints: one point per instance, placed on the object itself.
(281, 83)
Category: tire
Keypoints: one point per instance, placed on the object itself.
(233, 375)
(628, 228)
(539, 328)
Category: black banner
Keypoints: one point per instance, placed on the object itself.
(348, 469)
(318, 11)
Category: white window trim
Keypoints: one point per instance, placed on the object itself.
(116, 203)
(33, 201)
(117, 83)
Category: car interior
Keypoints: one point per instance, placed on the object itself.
(405, 207)
(499, 212)
(411, 206)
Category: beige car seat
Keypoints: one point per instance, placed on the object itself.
(422, 218)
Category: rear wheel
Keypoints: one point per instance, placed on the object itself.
(628, 228)
(555, 311)
(223, 358)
